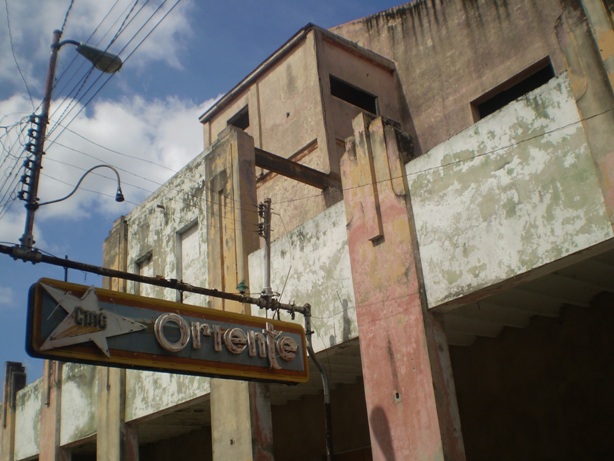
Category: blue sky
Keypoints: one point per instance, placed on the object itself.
(143, 120)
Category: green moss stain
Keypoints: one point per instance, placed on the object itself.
(452, 276)
(523, 178)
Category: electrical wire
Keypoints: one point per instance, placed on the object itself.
(449, 164)
(100, 175)
(8, 23)
(170, 10)
(123, 27)
(52, 129)
(74, 57)
(157, 183)
(123, 24)
(60, 78)
(85, 189)
(131, 53)
(253, 209)
(455, 162)
(10, 185)
(211, 212)
(66, 15)
(132, 157)
(72, 99)
(11, 174)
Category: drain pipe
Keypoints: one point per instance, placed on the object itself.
(328, 420)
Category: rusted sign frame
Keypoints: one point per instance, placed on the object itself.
(83, 324)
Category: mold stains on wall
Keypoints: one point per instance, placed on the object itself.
(514, 192)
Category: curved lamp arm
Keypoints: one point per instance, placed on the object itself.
(119, 196)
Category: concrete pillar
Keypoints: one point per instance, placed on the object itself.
(601, 26)
(409, 388)
(116, 441)
(585, 36)
(14, 381)
(50, 418)
(115, 254)
(240, 411)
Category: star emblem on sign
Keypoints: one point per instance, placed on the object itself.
(86, 321)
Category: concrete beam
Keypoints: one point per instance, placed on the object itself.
(296, 171)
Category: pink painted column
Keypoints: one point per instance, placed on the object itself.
(409, 387)
(586, 38)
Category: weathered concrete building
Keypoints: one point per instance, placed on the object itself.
(442, 180)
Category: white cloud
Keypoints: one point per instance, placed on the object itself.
(145, 140)
(152, 138)
(7, 297)
(32, 34)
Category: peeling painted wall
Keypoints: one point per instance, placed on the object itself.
(29, 401)
(451, 52)
(293, 115)
(170, 226)
(376, 79)
(312, 265)
(156, 226)
(293, 201)
(167, 232)
(79, 402)
(517, 190)
(289, 102)
(148, 392)
(284, 99)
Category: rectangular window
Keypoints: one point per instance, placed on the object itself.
(189, 258)
(144, 266)
(240, 119)
(353, 95)
(528, 80)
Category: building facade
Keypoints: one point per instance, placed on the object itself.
(442, 183)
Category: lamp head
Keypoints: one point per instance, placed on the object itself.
(103, 61)
(119, 196)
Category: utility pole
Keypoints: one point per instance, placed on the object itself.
(31, 181)
(106, 62)
(264, 230)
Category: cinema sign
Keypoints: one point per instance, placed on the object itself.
(75, 323)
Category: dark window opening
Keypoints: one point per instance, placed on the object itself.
(240, 119)
(353, 95)
(528, 80)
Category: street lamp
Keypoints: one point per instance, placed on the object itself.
(119, 195)
(106, 62)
